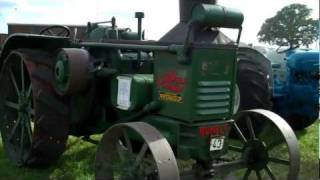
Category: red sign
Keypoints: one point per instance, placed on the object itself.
(172, 82)
(217, 130)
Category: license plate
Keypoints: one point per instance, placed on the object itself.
(216, 143)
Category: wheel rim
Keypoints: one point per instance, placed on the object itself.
(119, 158)
(269, 151)
(17, 110)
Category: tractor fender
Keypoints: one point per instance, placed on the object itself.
(260, 60)
(32, 41)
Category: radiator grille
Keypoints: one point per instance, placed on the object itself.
(213, 97)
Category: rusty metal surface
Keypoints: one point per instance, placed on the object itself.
(78, 64)
(161, 151)
(256, 135)
(49, 116)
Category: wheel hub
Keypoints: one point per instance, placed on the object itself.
(71, 71)
(61, 69)
(256, 154)
(24, 104)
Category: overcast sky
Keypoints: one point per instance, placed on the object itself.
(160, 16)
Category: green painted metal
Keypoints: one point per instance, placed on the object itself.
(141, 90)
(207, 84)
(186, 7)
(139, 16)
(186, 138)
(143, 47)
(217, 16)
(128, 35)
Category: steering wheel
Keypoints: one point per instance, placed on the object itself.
(286, 50)
(56, 30)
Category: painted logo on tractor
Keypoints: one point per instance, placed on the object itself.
(172, 97)
(174, 86)
(172, 82)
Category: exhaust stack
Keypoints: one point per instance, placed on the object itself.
(186, 7)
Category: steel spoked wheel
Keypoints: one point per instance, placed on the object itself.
(270, 152)
(117, 158)
(17, 110)
(33, 119)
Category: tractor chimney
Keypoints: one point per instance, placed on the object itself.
(186, 7)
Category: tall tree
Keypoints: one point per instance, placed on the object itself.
(291, 26)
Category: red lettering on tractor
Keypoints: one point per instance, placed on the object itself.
(172, 82)
(217, 130)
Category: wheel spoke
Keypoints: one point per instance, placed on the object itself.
(27, 124)
(235, 148)
(258, 175)
(14, 83)
(31, 112)
(274, 144)
(279, 161)
(247, 174)
(29, 92)
(14, 129)
(61, 32)
(127, 140)
(22, 76)
(120, 151)
(50, 32)
(268, 170)
(140, 156)
(12, 105)
(239, 133)
(22, 137)
(250, 127)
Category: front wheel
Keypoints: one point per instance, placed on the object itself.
(117, 159)
(268, 153)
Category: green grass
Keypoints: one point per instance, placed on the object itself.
(77, 163)
(309, 144)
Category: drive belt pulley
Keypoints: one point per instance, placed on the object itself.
(34, 119)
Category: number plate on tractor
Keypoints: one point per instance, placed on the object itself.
(216, 143)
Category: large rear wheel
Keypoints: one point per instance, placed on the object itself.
(253, 84)
(33, 126)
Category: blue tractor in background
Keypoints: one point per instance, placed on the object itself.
(295, 84)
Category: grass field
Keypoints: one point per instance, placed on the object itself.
(77, 163)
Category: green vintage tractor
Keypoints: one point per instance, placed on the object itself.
(154, 101)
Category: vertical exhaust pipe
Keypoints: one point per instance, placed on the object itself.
(186, 7)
